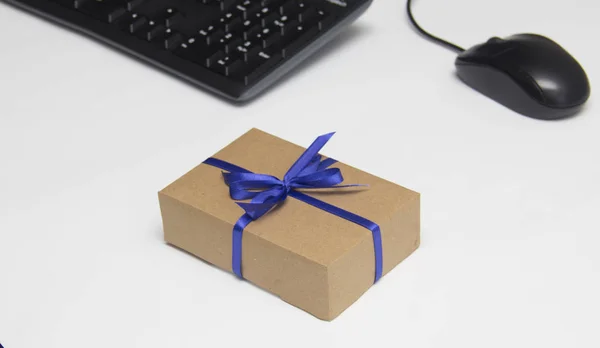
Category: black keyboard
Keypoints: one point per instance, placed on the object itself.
(235, 48)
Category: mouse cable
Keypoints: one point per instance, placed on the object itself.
(422, 31)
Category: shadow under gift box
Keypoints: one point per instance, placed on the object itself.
(312, 259)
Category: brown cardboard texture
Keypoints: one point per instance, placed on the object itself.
(311, 259)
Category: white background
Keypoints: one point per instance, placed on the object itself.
(510, 205)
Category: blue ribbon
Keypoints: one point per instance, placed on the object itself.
(266, 191)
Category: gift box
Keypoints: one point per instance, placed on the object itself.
(280, 216)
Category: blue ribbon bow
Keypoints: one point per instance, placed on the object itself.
(266, 191)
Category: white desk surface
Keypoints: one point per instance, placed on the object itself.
(510, 205)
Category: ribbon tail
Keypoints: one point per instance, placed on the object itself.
(236, 245)
(326, 163)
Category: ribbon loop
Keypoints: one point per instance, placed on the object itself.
(323, 179)
(308, 156)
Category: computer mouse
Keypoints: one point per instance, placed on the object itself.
(527, 73)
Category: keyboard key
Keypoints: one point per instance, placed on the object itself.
(250, 33)
(308, 15)
(263, 33)
(228, 66)
(300, 38)
(230, 42)
(172, 40)
(289, 8)
(235, 67)
(215, 37)
(242, 10)
(286, 25)
(325, 20)
(124, 22)
(105, 10)
(155, 31)
(263, 62)
(132, 4)
(206, 34)
(271, 3)
(226, 4)
(136, 24)
(189, 50)
(269, 19)
(142, 27)
(195, 50)
(172, 17)
(252, 10)
(248, 50)
(233, 24)
(270, 38)
(264, 11)
(227, 17)
(214, 58)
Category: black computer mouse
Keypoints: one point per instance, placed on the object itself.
(527, 73)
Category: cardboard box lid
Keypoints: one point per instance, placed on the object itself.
(294, 225)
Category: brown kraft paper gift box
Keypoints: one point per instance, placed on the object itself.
(312, 259)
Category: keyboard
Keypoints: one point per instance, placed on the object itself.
(234, 48)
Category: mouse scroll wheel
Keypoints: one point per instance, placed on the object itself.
(495, 40)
